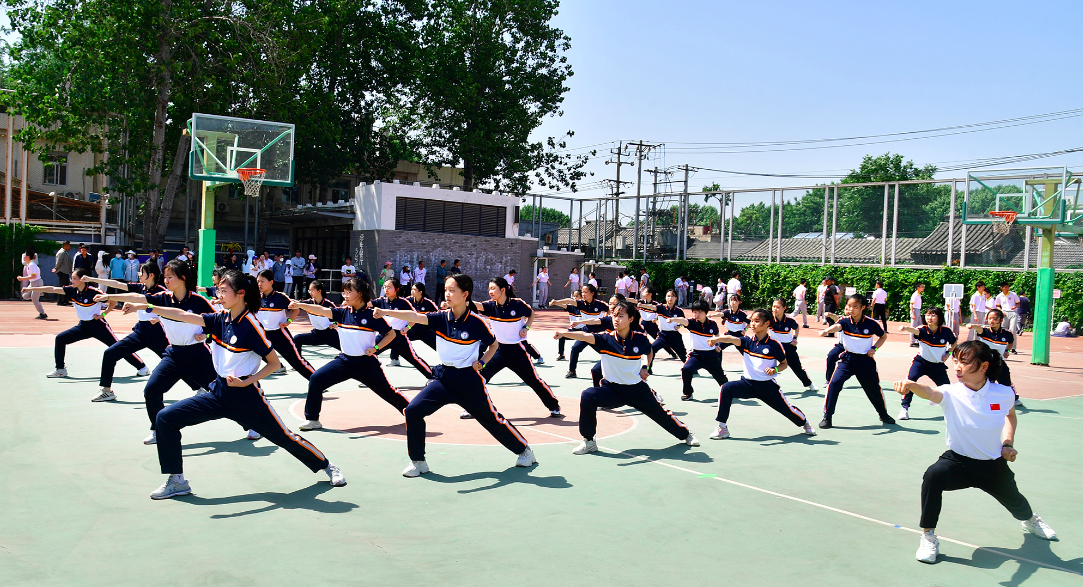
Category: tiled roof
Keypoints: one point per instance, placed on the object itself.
(846, 250)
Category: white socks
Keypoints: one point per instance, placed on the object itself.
(179, 477)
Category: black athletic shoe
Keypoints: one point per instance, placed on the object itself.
(686, 398)
(805, 326)
(825, 423)
(914, 345)
(560, 357)
(886, 419)
(42, 316)
(570, 375)
(1015, 352)
(832, 335)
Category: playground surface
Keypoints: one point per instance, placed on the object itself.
(766, 507)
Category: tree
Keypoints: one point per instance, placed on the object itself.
(861, 209)
(490, 72)
(526, 214)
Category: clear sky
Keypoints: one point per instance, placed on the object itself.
(711, 71)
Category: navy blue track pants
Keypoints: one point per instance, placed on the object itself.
(98, 329)
(144, 336)
(190, 363)
(344, 367)
(514, 357)
(767, 392)
(710, 361)
(639, 396)
(864, 368)
(938, 372)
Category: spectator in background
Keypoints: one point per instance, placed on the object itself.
(831, 303)
(977, 308)
(116, 266)
(155, 257)
(800, 306)
(406, 277)
(542, 281)
(455, 269)
(1024, 314)
(441, 276)
(232, 262)
(420, 272)
(633, 287)
(879, 305)
(101, 268)
(348, 270)
(186, 255)
(707, 295)
(573, 281)
(311, 270)
(83, 260)
(32, 276)
(279, 269)
(622, 284)
(821, 290)
(287, 276)
(681, 286)
(131, 268)
(917, 317)
(644, 279)
(297, 271)
(593, 280)
(387, 273)
(510, 278)
(62, 268)
(1008, 302)
(734, 285)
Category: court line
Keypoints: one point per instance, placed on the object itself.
(822, 506)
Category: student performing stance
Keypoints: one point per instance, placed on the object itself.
(733, 318)
(589, 307)
(763, 359)
(361, 335)
(573, 317)
(606, 324)
(836, 351)
(647, 319)
(457, 380)
(980, 423)
(400, 344)
(321, 333)
(624, 376)
(704, 354)
(669, 337)
(92, 324)
(861, 336)
(510, 319)
(275, 316)
(238, 344)
(147, 332)
(784, 329)
(936, 342)
(1001, 340)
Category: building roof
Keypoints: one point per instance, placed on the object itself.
(865, 250)
(979, 239)
(712, 249)
(1067, 254)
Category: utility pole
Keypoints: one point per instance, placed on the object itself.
(652, 212)
(682, 232)
(642, 150)
(619, 152)
(615, 186)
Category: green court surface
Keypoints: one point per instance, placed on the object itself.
(767, 507)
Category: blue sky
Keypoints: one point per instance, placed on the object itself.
(720, 71)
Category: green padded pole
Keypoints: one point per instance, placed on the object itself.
(1043, 296)
(206, 239)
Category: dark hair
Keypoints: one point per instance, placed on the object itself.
(919, 284)
(456, 261)
(735, 273)
(764, 315)
(879, 283)
(512, 272)
(30, 252)
(736, 297)
(700, 305)
(314, 283)
(183, 271)
(631, 311)
(81, 272)
(979, 284)
(395, 284)
(267, 274)
(650, 290)
(996, 311)
(973, 352)
(420, 287)
(803, 281)
(671, 291)
(859, 299)
(1004, 284)
(620, 297)
(239, 282)
(501, 283)
(442, 261)
(216, 272)
(593, 290)
(151, 268)
(781, 301)
(465, 283)
(939, 315)
(360, 286)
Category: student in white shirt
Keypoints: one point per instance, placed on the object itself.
(1008, 302)
(879, 304)
(542, 281)
(977, 307)
(980, 422)
(622, 284)
(917, 317)
(573, 281)
(348, 270)
(800, 307)
(733, 287)
(420, 272)
(593, 280)
(820, 291)
(32, 276)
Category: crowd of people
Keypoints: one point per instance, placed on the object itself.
(224, 343)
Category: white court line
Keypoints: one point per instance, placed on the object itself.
(1049, 399)
(822, 506)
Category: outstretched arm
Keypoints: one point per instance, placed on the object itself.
(179, 315)
(45, 289)
(134, 298)
(407, 315)
(922, 391)
(563, 303)
(310, 308)
(909, 329)
(107, 282)
(734, 340)
(833, 329)
(677, 320)
(575, 335)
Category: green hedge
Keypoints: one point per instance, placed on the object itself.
(763, 282)
(14, 239)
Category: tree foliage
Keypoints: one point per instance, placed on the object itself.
(526, 215)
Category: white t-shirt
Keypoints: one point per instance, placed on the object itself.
(1008, 303)
(977, 302)
(622, 285)
(707, 293)
(510, 279)
(820, 291)
(733, 286)
(915, 301)
(799, 293)
(573, 278)
(348, 271)
(953, 305)
(974, 420)
(543, 277)
(419, 274)
(880, 296)
(593, 282)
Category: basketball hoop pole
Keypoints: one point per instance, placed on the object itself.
(1043, 295)
(207, 236)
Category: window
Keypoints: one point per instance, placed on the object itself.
(56, 169)
(449, 217)
(291, 195)
(340, 190)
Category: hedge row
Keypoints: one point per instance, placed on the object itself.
(762, 283)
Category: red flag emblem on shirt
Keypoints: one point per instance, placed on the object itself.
(994, 407)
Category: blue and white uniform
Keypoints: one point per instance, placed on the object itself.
(703, 355)
(669, 337)
(758, 355)
(238, 348)
(934, 348)
(573, 318)
(455, 381)
(783, 331)
(999, 340)
(596, 369)
(623, 385)
(649, 321)
(321, 333)
(734, 324)
(86, 309)
(272, 315)
(506, 322)
(857, 338)
(145, 335)
(587, 311)
(358, 332)
(401, 344)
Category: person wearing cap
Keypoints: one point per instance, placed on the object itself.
(83, 260)
(154, 257)
(386, 273)
(131, 268)
(297, 272)
(311, 268)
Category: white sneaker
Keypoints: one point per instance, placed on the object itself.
(904, 414)
(393, 362)
(202, 391)
(929, 548)
(171, 488)
(807, 429)
(827, 384)
(465, 415)
(658, 397)
(526, 458)
(811, 386)
(1018, 403)
(721, 432)
(106, 395)
(415, 469)
(310, 425)
(585, 447)
(1039, 528)
(540, 361)
(556, 413)
(253, 435)
(152, 439)
(337, 478)
(691, 440)
(281, 370)
(57, 373)
(142, 372)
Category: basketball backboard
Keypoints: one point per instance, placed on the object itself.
(953, 291)
(1035, 194)
(222, 144)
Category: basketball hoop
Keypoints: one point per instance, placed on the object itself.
(252, 178)
(1003, 220)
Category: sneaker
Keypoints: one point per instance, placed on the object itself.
(807, 429)
(827, 384)
(540, 361)
(416, 469)
(825, 423)
(42, 316)
(202, 391)
(585, 447)
(252, 435)
(556, 413)
(561, 358)
(1039, 528)
(1019, 403)
(57, 373)
(465, 415)
(526, 458)
(929, 548)
(811, 386)
(721, 432)
(570, 374)
(394, 362)
(106, 395)
(337, 478)
(1015, 352)
(886, 419)
(310, 425)
(686, 398)
(281, 370)
(691, 439)
(142, 372)
(914, 345)
(661, 402)
(152, 439)
(805, 326)
(904, 414)
(171, 488)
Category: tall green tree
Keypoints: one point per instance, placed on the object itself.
(861, 209)
(526, 213)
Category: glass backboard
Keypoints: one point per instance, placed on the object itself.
(222, 144)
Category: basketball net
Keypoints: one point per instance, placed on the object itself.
(1003, 220)
(252, 178)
